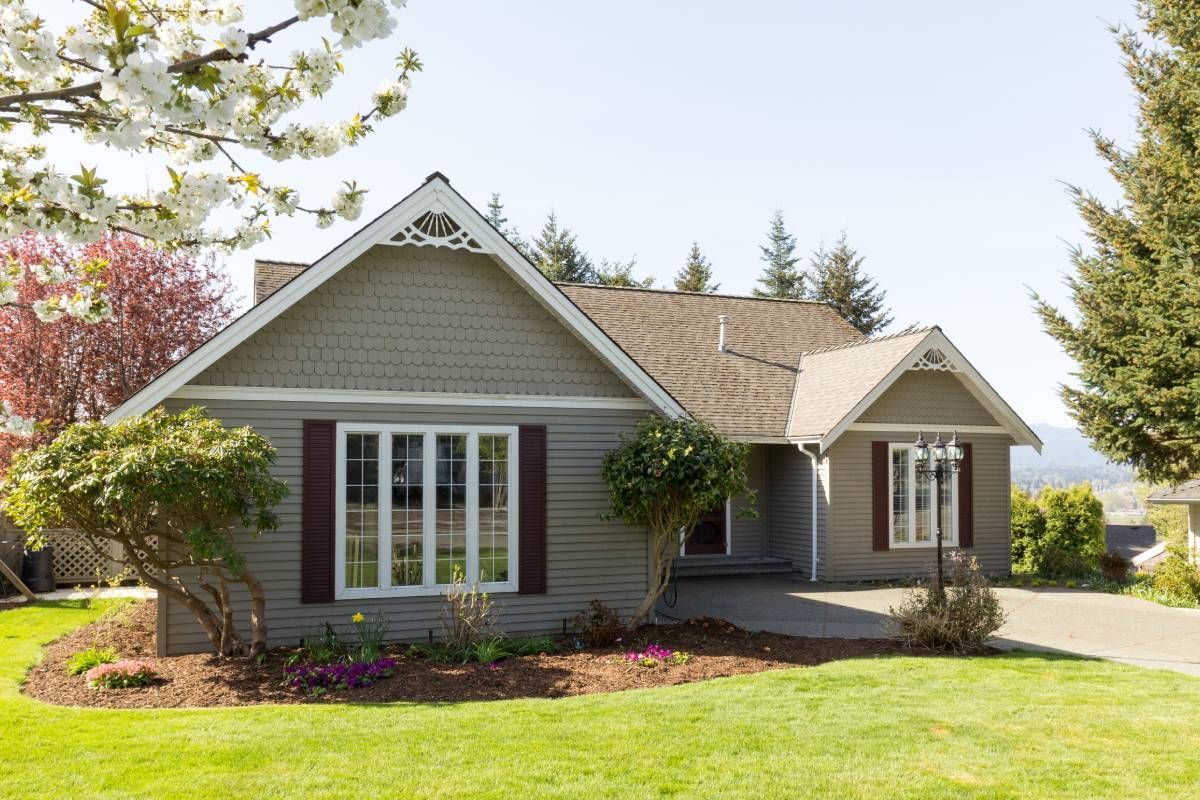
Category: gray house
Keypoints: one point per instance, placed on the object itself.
(437, 404)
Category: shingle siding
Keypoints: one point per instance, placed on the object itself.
(422, 320)
(587, 557)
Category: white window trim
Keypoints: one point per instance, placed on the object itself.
(429, 585)
(949, 538)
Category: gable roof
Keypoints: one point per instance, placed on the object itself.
(269, 276)
(743, 392)
(1188, 492)
(432, 215)
(836, 385)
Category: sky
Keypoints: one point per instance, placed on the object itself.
(940, 136)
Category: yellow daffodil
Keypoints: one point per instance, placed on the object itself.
(357, 618)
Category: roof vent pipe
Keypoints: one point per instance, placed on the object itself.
(721, 338)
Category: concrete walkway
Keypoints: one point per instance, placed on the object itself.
(1079, 622)
(102, 592)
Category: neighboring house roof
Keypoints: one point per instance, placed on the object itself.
(433, 215)
(270, 275)
(744, 392)
(1183, 493)
(1128, 541)
(836, 385)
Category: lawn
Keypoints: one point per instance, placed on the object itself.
(1019, 725)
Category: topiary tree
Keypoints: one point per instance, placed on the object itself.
(1028, 527)
(170, 489)
(665, 477)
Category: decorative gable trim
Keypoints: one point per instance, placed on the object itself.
(936, 342)
(430, 213)
(934, 359)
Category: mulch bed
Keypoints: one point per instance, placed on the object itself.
(717, 648)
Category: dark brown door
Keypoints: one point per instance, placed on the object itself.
(708, 537)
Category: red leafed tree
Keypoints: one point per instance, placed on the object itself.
(164, 304)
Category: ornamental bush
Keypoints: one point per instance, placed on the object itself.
(1061, 532)
(962, 622)
(122, 675)
(174, 491)
(664, 478)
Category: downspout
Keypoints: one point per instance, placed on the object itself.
(814, 457)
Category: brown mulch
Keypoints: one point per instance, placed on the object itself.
(717, 649)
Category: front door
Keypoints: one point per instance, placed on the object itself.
(708, 537)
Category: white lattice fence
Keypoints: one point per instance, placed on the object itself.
(75, 561)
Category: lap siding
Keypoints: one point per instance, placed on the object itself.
(587, 557)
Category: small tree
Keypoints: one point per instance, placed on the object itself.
(836, 277)
(696, 273)
(556, 253)
(665, 477)
(1074, 537)
(780, 277)
(180, 479)
(620, 273)
(1028, 527)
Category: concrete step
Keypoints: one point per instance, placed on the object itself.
(712, 566)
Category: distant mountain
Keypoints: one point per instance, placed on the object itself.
(1068, 458)
(1062, 445)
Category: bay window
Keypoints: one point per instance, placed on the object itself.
(418, 505)
(912, 504)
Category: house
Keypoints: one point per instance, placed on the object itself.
(437, 403)
(1186, 494)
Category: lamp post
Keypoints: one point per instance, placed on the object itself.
(937, 463)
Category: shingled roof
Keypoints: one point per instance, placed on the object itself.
(745, 392)
(1183, 493)
(270, 275)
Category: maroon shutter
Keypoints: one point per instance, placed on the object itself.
(531, 513)
(880, 491)
(316, 504)
(966, 501)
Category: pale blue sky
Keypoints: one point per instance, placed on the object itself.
(937, 134)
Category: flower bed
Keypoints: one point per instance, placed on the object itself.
(714, 648)
(316, 679)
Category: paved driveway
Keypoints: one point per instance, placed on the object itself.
(1084, 623)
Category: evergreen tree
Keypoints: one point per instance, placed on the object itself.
(837, 278)
(780, 277)
(557, 255)
(616, 273)
(1136, 290)
(696, 274)
(495, 217)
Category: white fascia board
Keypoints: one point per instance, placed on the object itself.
(351, 396)
(971, 379)
(433, 193)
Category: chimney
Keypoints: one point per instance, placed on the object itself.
(721, 348)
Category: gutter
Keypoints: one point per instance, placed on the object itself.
(813, 457)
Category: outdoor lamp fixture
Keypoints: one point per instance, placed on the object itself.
(937, 462)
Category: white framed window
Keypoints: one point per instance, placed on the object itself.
(416, 503)
(912, 519)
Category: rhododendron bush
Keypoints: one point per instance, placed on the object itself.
(160, 306)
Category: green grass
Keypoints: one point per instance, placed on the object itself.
(1021, 725)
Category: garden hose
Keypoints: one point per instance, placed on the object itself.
(671, 593)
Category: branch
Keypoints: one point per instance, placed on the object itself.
(186, 65)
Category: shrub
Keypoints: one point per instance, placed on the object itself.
(663, 478)
(599, 626)
(1028, 527)
(1177, 577)
(316, 679)
(321, 646)
(94, 656)
(1114, 567)
(468, 615)
(961, 623)
(488, 652)
(529, 645)
(121, 675)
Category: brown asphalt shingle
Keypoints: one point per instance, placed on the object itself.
(1182, 493)
(270, 275)
(745, 392)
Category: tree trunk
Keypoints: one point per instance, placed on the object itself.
(258, 614)
(664, 549)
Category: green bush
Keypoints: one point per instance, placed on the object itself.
(94, 656)
(1060, 533)
(599, 626)
(1177, 577)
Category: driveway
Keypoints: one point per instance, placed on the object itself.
(1112, 627)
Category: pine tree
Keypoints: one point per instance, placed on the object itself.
(780, 277)
(696, 274)
(617, 273)
(557, 255)
(495, 217)
(836, 278)
(1136, 290)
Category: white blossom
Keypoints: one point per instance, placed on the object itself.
(234, 40)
